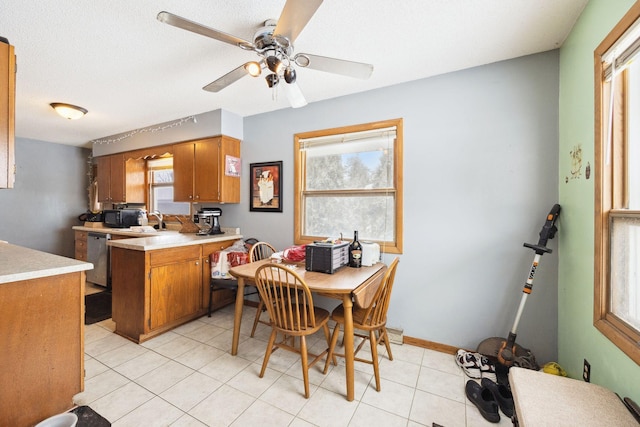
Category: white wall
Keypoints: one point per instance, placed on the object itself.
(480, 174)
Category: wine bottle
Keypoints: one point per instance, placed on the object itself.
(355, 252)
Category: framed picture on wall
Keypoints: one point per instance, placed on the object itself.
(265, 193)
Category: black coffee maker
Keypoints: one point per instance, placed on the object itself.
(210, 217)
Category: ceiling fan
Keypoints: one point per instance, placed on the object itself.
(273, 43)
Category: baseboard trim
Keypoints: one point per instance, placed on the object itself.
(444, 348)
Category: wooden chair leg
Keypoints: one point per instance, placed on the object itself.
(374, 357)
(385, 336)
(257, 319)
(305, 367)
(332, 347)
(267, 354)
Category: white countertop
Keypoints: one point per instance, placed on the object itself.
(123, 231)
(18, 263)
(168, 239)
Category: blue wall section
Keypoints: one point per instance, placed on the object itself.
(50, 192)
(480, 174)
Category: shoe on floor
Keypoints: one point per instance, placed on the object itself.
(484, 401)
(501, 394)
(469, 364)
(487, 368)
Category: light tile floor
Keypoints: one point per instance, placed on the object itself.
(187, 377)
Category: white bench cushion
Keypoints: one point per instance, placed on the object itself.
(542, 399)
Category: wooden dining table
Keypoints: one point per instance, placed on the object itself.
(350, 285)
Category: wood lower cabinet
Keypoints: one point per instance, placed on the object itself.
(80, 240)
(41, 347)
(175, 286)
(154, 291)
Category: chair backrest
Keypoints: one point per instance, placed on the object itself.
(376, 313)
(261, 250)
(286, 297)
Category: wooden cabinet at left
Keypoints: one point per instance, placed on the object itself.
(7, 114)
(120, 180)
(41, 347)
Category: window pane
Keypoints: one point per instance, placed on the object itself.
(365, 166)
(162, 176)
(163, 201)
(633, 136)
(372, 216)
(625, 262)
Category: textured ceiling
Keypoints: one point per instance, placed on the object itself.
(130, 70)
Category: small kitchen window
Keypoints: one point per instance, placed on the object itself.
(161, 188)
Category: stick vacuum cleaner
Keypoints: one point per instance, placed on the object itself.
(506, 351)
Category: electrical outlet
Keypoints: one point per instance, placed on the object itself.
(586, 371)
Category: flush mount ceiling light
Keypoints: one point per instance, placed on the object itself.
(68, 111)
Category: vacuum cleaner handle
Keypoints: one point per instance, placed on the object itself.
(548, 232)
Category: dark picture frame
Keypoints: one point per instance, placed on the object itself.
(265, 187)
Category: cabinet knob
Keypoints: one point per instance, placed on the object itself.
(197, 263)
(190, 196)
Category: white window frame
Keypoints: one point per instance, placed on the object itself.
(347, 134)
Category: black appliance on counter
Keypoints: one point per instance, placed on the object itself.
(210, 217)
(122, 218)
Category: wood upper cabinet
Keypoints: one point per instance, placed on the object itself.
(120, 180)
(199, 171)
(7, 115)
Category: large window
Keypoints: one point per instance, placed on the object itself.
(161, 188)
(350, 179)
(617, 204)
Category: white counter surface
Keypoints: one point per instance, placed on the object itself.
(168, 239)
(18, 263)
(123, 231)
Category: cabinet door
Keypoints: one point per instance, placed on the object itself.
(7, 115)
(207, 170)
(175, 292)
(183, 168)
(104, 179)
(117, 184)
(229, 186)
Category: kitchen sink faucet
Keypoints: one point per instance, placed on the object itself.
(158, 216)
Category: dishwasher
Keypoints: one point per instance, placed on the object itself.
(98, 255)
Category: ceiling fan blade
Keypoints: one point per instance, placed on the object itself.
(358, 70)
(294, 17)
(294, 95)
(185, 24)
(229, 78)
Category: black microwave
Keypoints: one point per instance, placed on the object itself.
(122, 218)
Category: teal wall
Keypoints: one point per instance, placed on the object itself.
(577, 337)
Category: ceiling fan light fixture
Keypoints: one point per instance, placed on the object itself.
(68, 111)
(253, 68)
(272, 80)
(274, 64)
(289, 75)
